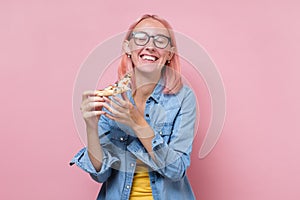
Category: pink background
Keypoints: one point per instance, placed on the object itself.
(255, 45)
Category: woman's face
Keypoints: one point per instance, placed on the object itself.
(150, 46)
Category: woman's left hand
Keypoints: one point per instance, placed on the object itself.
(123, 111)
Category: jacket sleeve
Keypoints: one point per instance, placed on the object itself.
(109, 159)
(172, 157)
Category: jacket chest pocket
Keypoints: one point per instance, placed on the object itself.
(165, 130)
(118, 138)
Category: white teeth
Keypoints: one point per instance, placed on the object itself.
(146, 57)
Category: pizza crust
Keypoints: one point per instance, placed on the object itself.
(119, 87)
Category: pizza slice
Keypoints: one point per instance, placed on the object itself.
(119, 87)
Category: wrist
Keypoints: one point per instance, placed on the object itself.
(92, 130)
(139, 125)
(143, 131)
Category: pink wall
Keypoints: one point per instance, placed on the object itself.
(254, 45)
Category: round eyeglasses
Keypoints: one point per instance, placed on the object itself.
(142, 38)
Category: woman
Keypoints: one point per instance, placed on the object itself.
(139, 143)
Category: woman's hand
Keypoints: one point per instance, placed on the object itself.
(91, 108)
(122, 110)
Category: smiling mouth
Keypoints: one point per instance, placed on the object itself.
(150, 58)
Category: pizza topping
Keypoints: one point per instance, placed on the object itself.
(119, 87)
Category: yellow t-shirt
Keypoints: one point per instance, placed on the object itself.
(141, 188)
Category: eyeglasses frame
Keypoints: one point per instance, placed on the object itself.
(150, 36)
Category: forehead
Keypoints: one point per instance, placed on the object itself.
(152, 27)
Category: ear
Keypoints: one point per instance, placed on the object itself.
(126, 47)
(171, 53)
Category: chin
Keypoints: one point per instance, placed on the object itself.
(149, 67)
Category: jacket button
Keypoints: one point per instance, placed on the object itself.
(127, 186)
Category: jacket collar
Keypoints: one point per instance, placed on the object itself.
(157, 92)
(155, 95)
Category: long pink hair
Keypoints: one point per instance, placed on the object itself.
(171, 73)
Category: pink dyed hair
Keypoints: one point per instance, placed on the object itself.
(171, 73)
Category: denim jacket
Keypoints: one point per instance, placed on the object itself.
(172, 118)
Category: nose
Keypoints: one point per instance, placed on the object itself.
(150, 45)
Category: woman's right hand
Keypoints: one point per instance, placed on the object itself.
(91, 109)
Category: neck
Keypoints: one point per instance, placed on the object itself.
(145, 84)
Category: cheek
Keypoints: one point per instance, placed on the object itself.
(134, 48)
(164, 55)
(135, 57)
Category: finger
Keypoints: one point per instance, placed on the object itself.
(92, 99)
(110, 116)
(125, 97)
(125, 104)
(95, 98)
(114, 112)
(113, 117)
(115, 105)
(91, 106)
(120, 101)
(87, 103)
(92, 114)
(110, 109)
(89, 93)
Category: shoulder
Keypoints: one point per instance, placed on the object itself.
(187, 95)
(186, 91)
(184, 95)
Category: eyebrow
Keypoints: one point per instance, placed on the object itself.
(167, 35)
(145, 30)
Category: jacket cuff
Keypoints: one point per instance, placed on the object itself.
(82, 160)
